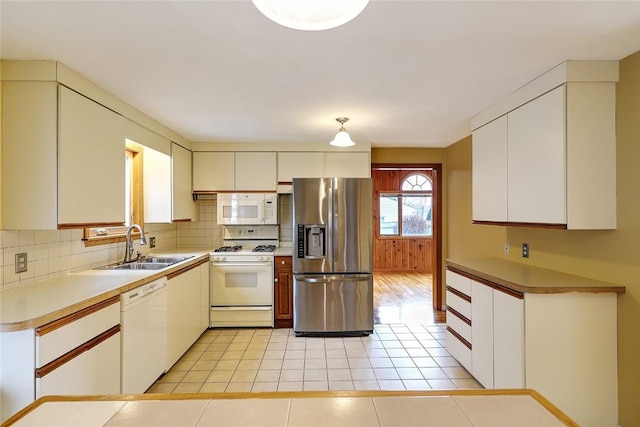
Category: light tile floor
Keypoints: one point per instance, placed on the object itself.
(394, 357)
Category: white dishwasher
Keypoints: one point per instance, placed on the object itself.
(144, 335)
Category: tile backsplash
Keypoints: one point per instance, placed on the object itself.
(52, 253)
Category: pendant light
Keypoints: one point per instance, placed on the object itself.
(342, 138)
(310, 15)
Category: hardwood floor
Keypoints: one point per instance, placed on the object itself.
(404, 298)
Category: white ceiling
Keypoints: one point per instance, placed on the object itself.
(406, 73)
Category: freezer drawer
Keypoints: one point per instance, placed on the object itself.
(333, 304)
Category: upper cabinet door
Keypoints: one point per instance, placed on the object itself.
(490, 171)
(537, 160)
(91, 162)
(255, 171)
(183, 206)
(157, 186)
(347, 165)
(300, 165)
(29, 152)
(213, 171)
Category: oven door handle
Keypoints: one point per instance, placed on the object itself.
(242, 264)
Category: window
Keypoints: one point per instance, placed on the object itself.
(408, 213)
(133, 201)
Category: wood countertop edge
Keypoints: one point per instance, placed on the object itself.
(65, 311)
(550, 407)
(605, 288)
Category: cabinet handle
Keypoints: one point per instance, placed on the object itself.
(275, 280)
(282, 262)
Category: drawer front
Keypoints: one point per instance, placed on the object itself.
(461, 352)
(458, 304)
(459, 282)
(459, 326)
(283, 262)
(53, 344)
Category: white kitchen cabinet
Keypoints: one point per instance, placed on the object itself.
(560, 153)
(75, 145)
(539, 340)
(347, 165)
(80, 353)
(482, 333)
(490, 171)
(255, 171)
(181, 175)
(183, 312)
(497, 323)
(300, 165)
(508, 341)
(459, 332)
(205, 305)
(213, 171)
(91, 157)
(95, 371)
(537, 160)
(228, 171)
(167, 185)
(157, 186)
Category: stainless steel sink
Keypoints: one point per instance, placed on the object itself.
(163, 260)
(141, 266)
(150, 263)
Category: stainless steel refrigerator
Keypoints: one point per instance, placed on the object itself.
(332, 256)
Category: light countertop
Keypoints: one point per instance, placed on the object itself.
(447, 408)
(528, 279)
(41, 302)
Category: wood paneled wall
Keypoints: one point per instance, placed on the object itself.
(398, 253)
(403, 254)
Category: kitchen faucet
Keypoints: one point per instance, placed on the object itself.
(128, 251)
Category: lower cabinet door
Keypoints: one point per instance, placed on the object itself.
(482, 333)
(95, 371)
(508, 341)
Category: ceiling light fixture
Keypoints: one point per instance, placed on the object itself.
(310, 15)
(342, 138)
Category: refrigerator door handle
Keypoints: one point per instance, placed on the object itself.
(336, 224)
(330, 279)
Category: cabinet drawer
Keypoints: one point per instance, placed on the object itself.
(458, 304)
(459, 350)
(283, 262)
(61, 336)
(459, 282)
(459, 325)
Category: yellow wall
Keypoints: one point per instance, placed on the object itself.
(407, 155)
(1, 150)
(612, 256)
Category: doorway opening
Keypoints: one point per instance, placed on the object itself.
(407, 243)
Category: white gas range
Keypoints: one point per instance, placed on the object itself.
(241, 287)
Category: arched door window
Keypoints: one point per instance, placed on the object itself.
(410, 211)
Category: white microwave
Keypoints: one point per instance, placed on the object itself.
(247, 208)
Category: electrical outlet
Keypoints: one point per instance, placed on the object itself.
(21, 262)
(152, 242)
(507, 248)
(525, 250)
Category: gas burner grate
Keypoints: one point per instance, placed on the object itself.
(236, 248)
(264, 248)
